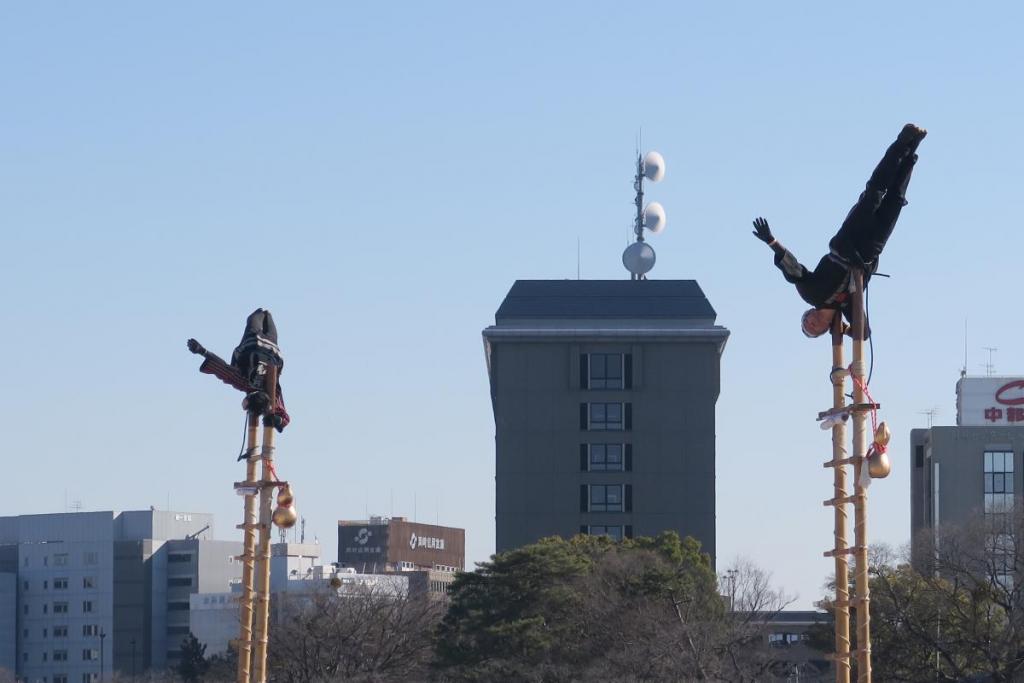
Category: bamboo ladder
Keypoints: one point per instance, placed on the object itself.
(255, 601)
(841, 551)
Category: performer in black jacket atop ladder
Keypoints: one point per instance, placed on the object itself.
(859, 241)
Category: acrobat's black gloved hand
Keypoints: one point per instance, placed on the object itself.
(196, 347)
(762, 231)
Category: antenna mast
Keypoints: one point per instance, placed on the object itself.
(639, 257)
(963, 373)
(931, 415)
(990, 367)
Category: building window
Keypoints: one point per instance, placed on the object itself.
(606, 371)
(60, 608)
(177, 607)
(25, 585)
(616, 533)
(86, 606)
(60, 560)
(90, 678)
(60, 655)
(90, 654)
(60, 584)
(1001, 549)
(606, 417)
(179, 557)
(606, 498)
(90, 630)
(88, 582)
(998, 482)
(785, 639)
(60, 631)
(60, 678)
(605, 457)
(179, 581)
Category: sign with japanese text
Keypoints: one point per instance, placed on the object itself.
(990, 401)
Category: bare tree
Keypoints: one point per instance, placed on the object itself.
(365, 635)
(956, 613)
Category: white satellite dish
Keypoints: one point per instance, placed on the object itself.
(638, 258)
(654, 217)
(654, 167)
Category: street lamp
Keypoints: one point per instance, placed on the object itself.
(103, 635)
(730, 577)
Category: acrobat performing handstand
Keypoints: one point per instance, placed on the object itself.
(859, 241)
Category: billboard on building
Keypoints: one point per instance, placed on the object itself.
(988, 401)
(379, 544)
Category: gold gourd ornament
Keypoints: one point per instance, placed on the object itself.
(285, 516)
(879, 465)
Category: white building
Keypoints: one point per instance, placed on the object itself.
(215, 616)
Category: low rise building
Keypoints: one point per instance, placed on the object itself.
(974, 468)
(214, 616)
(429, 555)
(99, 592)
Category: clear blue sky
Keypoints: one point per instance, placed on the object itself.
(379, 176)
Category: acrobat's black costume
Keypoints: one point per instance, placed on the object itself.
(249, 362)
(863, 234)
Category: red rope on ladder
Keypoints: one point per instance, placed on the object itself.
(863, 386)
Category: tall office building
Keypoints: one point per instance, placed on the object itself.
(104, 591)
(604, 397)
(974, 468)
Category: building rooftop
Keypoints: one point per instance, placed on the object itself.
(533, 299)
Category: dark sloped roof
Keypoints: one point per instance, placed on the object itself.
(605, 299)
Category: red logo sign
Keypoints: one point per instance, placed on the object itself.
(1016, 400)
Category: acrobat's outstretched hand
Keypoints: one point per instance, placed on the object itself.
(762, 231)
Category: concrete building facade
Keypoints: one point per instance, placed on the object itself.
(102, 590)
(604, 399)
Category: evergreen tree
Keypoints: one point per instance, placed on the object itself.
(193, 664)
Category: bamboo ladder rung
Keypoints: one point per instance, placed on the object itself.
(840, 463)
(852, 408)
(247, 525)
(845, 500)
(842, 656)
(259, 484)
(850, 603)
(836, 552)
